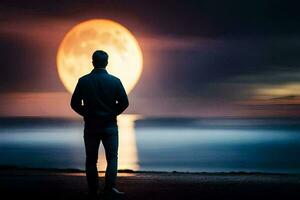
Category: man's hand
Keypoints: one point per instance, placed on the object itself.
(76, 100)
(122, 99)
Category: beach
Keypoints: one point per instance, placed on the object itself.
(26, 183)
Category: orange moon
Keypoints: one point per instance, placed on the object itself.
(76, 49)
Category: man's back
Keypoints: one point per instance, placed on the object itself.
(99, 97)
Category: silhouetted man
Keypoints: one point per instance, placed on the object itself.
(99, 97)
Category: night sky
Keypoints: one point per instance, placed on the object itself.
(201, 58)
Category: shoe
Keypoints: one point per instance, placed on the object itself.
(113, 192)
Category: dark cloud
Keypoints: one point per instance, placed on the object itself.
(16, 61)
(225, 68)
(195, 17)
(25, 64)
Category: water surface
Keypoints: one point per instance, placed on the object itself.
(192, 145)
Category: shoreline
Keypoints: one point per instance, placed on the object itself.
(74, 170)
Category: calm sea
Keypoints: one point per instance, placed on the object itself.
(152, 144)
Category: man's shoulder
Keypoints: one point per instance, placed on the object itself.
(83, 77)
(113, 77)
(110, 76)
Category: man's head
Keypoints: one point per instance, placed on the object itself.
(100, 59)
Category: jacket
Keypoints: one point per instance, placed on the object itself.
(99, 97)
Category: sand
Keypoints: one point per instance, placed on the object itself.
(68, 184)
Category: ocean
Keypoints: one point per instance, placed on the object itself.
(159, 144)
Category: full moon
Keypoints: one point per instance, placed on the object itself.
(74, 56)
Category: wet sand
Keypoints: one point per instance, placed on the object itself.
(70, 184)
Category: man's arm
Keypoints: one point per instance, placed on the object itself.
(77, 99)
(122, 99)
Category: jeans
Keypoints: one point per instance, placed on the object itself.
(92, 139)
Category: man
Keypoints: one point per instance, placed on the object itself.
(99, 97)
